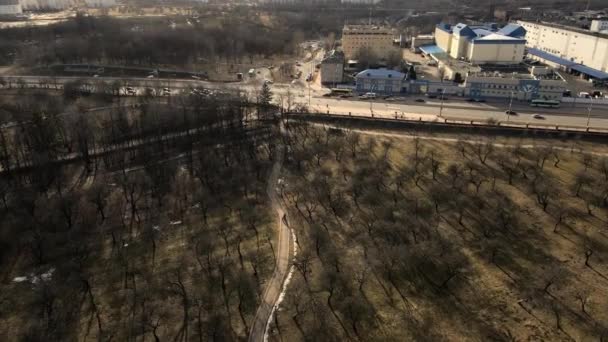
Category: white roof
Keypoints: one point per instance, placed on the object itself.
(495, 36)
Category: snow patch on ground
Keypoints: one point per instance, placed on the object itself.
(36, 278)
(275, 308)
(175, 223)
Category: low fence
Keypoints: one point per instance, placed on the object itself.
(458, 125)
(581, 100)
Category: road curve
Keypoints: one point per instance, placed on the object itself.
(273, 292)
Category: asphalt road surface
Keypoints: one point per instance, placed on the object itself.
(301, 93)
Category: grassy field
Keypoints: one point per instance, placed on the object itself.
(426, 238)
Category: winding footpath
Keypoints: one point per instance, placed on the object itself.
(277, 285)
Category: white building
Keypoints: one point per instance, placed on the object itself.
(10, 7)
(483, 44)
(575, 45)
(421, 40)
(599, 26)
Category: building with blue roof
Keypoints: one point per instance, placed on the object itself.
(482, 44)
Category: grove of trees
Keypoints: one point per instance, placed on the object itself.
(145, 221)
(427, 239)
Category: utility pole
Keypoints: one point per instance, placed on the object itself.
(510, 106)
(589, 112)
(441, 106)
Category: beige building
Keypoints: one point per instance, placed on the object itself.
(573, 44)
(377, 39)
(482, 44)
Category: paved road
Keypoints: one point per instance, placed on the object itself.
(275, 287)
(567, 115)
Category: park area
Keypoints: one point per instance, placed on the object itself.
(403, 236)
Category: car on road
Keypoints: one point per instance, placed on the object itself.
(480, 100)
(386, 97)
(470, 99)
(431, 96)
(510, 112)
(369, 96)
(420, 100)
(538, 116)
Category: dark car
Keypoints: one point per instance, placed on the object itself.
(510, 112)
(480, 100)
(431, 96)
(470, 100)
(420, 100)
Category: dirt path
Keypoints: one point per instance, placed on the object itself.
(454, 140)
(275, 288)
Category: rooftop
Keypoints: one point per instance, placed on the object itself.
(380, 74)
(566, 27)
(367, 28)
(511, 32)
(568, 64)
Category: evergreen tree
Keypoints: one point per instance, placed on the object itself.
(265, 95)
(412, 73)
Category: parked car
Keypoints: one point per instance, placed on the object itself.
(420, 100)
(538, 116)
(510, 112)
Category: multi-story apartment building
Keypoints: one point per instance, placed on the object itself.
(332, 68)
(377, 39)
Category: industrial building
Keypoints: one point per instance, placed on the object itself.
(482, 44)
(380, 81)
(573, 49)
(524, 84)
(421, 40)
(599, 26)
(379, 40)
(332, 68)
(10, 7)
